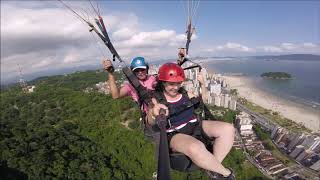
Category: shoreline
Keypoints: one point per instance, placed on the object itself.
(294, 111)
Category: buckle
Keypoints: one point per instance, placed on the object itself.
(168, 124)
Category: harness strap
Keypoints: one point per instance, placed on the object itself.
(193, 102)
(185, 106)
(144, 94)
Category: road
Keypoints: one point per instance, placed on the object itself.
(263, 121)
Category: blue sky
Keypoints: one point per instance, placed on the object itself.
(255, 22)
(44, 36)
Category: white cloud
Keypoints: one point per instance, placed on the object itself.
(71, 57)
(43, 36)
(151, 39)
(122, 34)
(234, 48)
(43, 63)
(209, 50)
(231, 46)
(288, 46)
(271, 49)
(309, 45)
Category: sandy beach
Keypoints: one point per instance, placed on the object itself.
(299, 113)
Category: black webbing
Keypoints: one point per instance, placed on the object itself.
(163, 159)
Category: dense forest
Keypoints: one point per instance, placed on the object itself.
(61, 131)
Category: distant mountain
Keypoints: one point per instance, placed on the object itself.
(307, 57)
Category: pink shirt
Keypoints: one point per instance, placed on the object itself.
(149, 83)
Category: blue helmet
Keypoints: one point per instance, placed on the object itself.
(138, 62)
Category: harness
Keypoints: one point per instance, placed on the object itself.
(174, 111)
(178, 161)
(194, 102)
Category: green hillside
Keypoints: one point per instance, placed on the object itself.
(62, 132)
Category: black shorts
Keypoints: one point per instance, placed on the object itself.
(188, 129)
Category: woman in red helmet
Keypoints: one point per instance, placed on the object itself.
(182, 125)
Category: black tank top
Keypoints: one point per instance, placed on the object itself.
(182, 117)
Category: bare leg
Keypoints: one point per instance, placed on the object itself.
(197, 152)
(224, 134)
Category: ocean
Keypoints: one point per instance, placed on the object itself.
(304, 88)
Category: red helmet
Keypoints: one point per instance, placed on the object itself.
(171, 72)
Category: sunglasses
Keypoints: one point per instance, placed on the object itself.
(139, 70)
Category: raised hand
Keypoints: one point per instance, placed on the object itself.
(157, 106)
(107, 65)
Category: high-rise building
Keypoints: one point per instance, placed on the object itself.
(153, 69)
(316, 144)
(215, 88)
(291, 176)
(279, 137)
(233, 103)
(205, 76)
(296, 151)
(304, 154)
(284, 141)
(222, 97)
(274, 132)
(311, 142)
(278, 133)
(281, 133)
(188, 85)
(217, 100)
(316, 166)
(227, 100)
(223, 83)
(296, 141)
(210, 99)
(244, 124)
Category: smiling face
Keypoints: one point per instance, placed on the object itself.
(171, 88)
(141, 73)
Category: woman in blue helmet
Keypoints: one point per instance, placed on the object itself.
(140, 68)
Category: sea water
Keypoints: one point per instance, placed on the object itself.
(303, 88)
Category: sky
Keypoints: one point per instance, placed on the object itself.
(43, 37)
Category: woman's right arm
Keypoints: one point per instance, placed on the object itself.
(115, 92)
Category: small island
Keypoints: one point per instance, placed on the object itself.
(276, 75)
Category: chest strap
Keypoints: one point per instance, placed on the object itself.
(144, 94)
(190, 103)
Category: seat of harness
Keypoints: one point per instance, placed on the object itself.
(181, 162)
